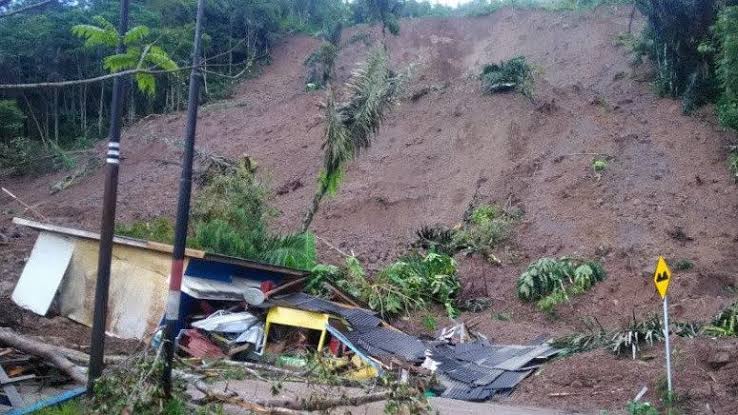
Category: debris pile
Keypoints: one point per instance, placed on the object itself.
(243, 312)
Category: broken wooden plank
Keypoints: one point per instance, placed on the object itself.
(16, 401)
(17, 379)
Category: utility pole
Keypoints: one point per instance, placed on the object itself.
(183, 210)
(107, 226)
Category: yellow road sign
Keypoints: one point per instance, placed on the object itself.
(662, 277)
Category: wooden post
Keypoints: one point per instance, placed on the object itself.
(97, 343)
(183, 210)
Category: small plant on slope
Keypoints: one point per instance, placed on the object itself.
(641, 408)
(636, 334)
(551, 282)
(512, 75)
(486, 227)
(724, 324)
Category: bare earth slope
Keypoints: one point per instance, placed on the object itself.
(435, 154)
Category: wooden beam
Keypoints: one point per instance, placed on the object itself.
(16, 401)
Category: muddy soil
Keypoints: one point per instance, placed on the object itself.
(437, 153)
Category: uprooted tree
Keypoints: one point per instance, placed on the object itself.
(351, 126)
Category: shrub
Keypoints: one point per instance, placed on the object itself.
(641, 408)
(411, 283)
(551, 282)
(485, 228)
(157, 229)
(436, 238)
(678, 33)
(724, 324)
(636, 334)
(11, 120)
(593, 337)
(320, 64)
(733, 163)
(230, 217)
(514, 74)
(726, 31)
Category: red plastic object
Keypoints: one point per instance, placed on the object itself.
(197, 345)
(334, 346)
(267, 286)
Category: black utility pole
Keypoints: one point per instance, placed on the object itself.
(110, 197)
(183, 210)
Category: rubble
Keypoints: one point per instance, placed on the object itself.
(256, 315)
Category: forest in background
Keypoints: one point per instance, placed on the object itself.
(38, 45)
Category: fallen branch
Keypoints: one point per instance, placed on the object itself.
(280, 406)
(319, 403)
(10, 338)
(25, 9)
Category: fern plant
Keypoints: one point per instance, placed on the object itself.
(139, 54)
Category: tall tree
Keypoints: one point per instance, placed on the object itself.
(350, 128)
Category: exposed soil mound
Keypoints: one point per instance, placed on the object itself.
(450, 144)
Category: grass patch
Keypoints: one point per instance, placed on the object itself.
(684, 265)
(157, 229)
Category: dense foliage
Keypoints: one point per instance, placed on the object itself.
(552, 281)
(39, 46)
(514, 74)
(483, 230)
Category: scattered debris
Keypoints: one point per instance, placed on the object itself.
(235, 311)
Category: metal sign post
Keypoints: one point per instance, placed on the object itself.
(662, 278)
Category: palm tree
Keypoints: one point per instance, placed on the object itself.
(349, 128)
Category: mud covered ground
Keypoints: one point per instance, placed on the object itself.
(437, 153)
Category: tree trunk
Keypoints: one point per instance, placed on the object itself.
(27, 345)
(56, 116)
(313, 209)
(83, 110)
(101, 110)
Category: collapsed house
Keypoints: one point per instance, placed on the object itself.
(238, 309)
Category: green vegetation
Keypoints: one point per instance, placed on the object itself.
(351, 126)
(230, 216)
(733, 162)
(694, 46)
(413, 282)
(484, 228)
(139, 53)
(514, 74)
(725, 323)
(157, 229)
(599, 165)
(636, 334)
(684, 265)
(551, 282)
(641, 408)
(594, 336)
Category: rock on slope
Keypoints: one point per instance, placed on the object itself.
(434, 154)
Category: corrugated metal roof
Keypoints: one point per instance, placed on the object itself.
(478, 370)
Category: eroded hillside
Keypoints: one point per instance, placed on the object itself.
(452, 145)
